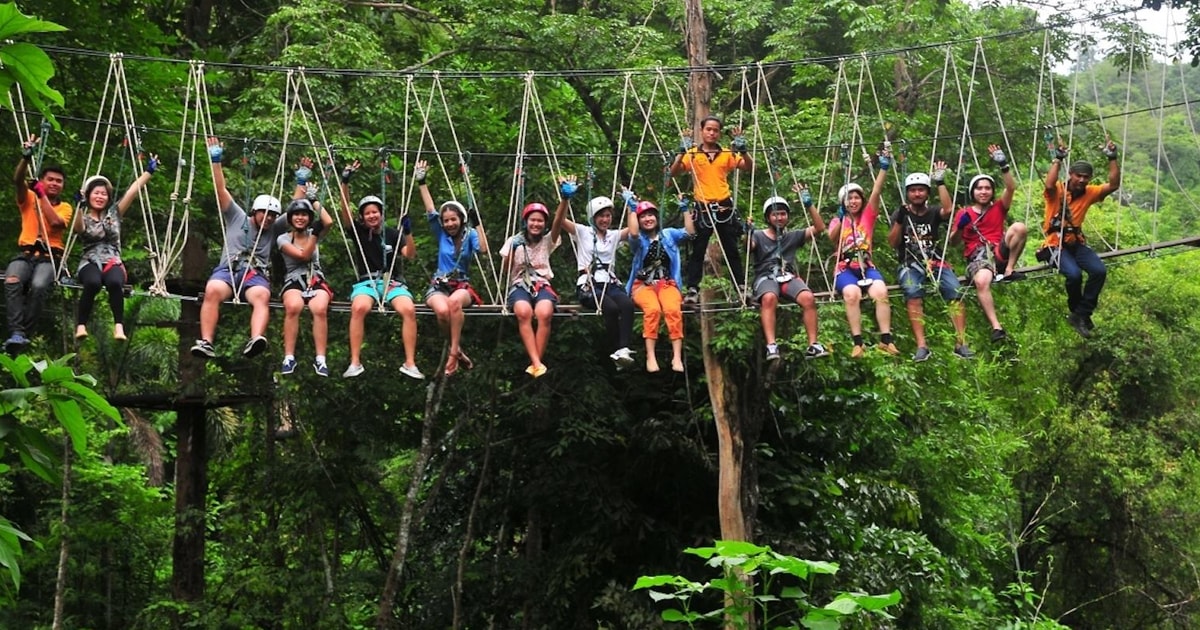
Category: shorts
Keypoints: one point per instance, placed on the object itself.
(521, 294)
(373, 288)
(852, 276)
(447, 287)
(790, 289)
(247, 278)
(308, 289)
(913, 277)
(983, 261)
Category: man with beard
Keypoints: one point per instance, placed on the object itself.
(1065, 246)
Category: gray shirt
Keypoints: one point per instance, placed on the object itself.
(297, 270)
(244, 243)
(772, 257)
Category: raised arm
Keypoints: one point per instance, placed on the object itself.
(567, 186)
(814, 215)
(21, 175)
(628, 202)
(1114, 170)
(1010, 184)
(885, 162)
(483, 243)
(408, 247)
(420, 171)
(937, 177)
(745, 162)
(689, 225)
(346, 215)
(685, 144)
(216, 151)
(134, 188)
(1060, 155)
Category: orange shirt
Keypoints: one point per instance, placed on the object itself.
(710, 178)
(1078, 209)
(31, 216)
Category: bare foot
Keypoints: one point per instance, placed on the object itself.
(677, 365)
(651, 364)
(81, 331)
(119, 332)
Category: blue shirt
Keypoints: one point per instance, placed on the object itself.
(449, 260)
(670, 238)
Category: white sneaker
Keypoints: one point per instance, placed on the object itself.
(622, 357)
(412, 372)
(354, 370)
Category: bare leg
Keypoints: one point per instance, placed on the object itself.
(983, 290)
(809, 304)
(215, 292)
(358, 315)
(524, 312)
(260, 314)
(916, 316)
(319, 307)
(883, 309)
(1014, 238)
(766, 311)
(651, 358)
(408, 327)
(852, 296)
(293, 304)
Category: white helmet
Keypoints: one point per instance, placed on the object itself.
(776, 201)
(596, 205)
(266, 203)
(368, 200)
(456, 207)
(917, 179)
(845, 190)
(975, 180)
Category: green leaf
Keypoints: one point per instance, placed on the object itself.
(66, 410)
(672, 614)
(97, 402)
(13, 23)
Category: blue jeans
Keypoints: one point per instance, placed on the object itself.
(1073, 260)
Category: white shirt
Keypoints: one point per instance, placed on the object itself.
(589, 247)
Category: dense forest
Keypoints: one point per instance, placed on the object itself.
(1053, 481)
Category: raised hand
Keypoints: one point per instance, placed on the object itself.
(420, 171)
(998, 156)
(1060, 152)
(304, 171)
(1109, 150)
(805, 196)
(310, 191)
(568, 186)
(629, 197)
(29, 145)
(685, 142)
(152, 164)
(938, 174)
(349, 170)
(216, 150)
(739, 144)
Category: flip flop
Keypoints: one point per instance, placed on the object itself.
(451, 365)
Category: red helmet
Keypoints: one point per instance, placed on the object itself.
(534, 207)
(645, 206)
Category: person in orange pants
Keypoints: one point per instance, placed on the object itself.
(657, 276)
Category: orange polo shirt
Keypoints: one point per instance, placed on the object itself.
(710, 178)
(31, 217)
(1077, 206)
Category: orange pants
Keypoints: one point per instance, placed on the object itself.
(658, 300)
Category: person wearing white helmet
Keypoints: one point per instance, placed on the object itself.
(377, 245)
(304, 284)
(914, 235)
(1067, 205)
(991, 250)
(245, 262)
(656, 274)
(450, 290)
(853, 230)
(29, 277)
(773, 260)
(98, 224)
(525, 259)
(710, 165)
(598, 286)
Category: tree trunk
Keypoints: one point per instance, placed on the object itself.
(64, 545)
(191, 464)
(391, 585)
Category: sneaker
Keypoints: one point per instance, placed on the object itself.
(890, 348)
(354, 370)
(254, 346)
(922, 354)
(692, 297)
(411, 371)
(815, 351)
(999, 278)
(963, 352)
(772, 352)
(16, 343)
(289, 366)
(1087, 321)
(999, 335)
(1014, 276)
(1079, 323)
(857, 351)
(203, 349)
(623, 357)
(320, 368)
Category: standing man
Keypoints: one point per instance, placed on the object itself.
(1065, 246)
(245, 263)
(44, 219)
(914, 234)
(991, 251)
(710, 165)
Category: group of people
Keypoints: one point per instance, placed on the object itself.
(659, 281)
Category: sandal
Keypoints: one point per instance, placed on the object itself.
(451, 365)
(467, 362)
